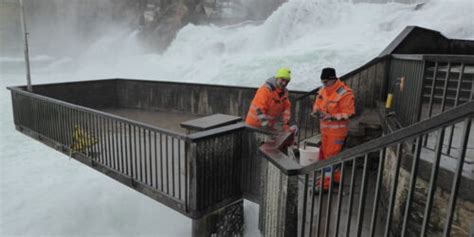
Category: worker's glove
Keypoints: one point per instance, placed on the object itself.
(264, 123)
(263, 118)
(293, 129)
(315, 114)
(327, 117)
(322, 115)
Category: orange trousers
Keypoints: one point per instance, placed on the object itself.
(331, 145)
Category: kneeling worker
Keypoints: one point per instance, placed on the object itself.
(334, 105)
(271, 107)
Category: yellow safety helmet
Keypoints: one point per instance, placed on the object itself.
(283, 73)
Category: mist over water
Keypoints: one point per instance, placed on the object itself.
(305, 35)
(43, 193)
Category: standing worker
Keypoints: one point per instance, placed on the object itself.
(334, 105)
(271, 107)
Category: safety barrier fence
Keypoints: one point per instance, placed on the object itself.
(367, 84)
(427, 85)
(193, 174)
(137, 154)
(421, 85)
(367, 202)
(215, 168)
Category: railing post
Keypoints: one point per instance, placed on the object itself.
(214, 198)
(279, 208)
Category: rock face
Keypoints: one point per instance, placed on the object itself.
(162, 19)
(463, 215)
(160, 23)
(79, 22)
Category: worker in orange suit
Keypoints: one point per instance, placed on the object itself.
(271, 107)
(334, 105)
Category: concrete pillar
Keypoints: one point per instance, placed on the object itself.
(227, 221)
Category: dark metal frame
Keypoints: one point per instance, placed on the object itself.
(191, 174)
(462, 115)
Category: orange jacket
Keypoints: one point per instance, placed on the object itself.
(337, 101)
(270, 107)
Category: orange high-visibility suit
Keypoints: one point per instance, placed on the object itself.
(270, 108)
(338, 102)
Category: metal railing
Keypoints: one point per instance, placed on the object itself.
(215, 166)
(307, 125)
(149, 159)
(355, 207)
(194, 174)
(427, 85)
(367, 84)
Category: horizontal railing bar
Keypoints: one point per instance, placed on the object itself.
(89, 110)
(413, 57)
(449, 58)
(436, 57)
(118, 79)
(198, 84)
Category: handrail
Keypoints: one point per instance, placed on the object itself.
(449, 58)
(436, 57)
(448, 117)
(89, 110)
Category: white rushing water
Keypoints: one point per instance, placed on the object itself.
(43, 193)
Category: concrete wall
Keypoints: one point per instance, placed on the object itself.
(464, 211)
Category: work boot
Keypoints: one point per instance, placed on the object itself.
(327, 181)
